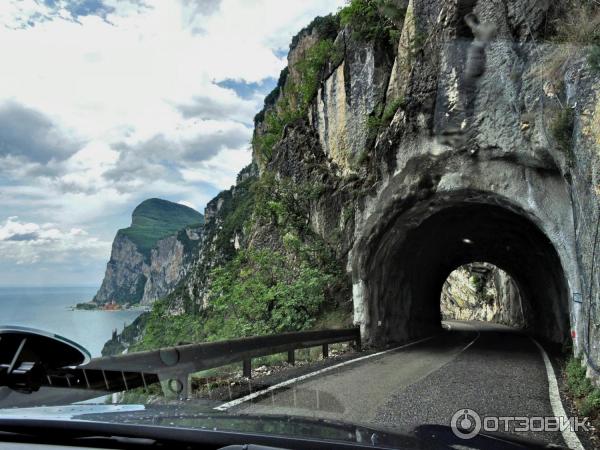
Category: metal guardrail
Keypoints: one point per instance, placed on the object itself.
(170, 367)
(173, 365)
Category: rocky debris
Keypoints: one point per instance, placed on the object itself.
(229, 385)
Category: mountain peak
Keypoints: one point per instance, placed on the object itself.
(155, 218)
(135, 275)
(157, 209)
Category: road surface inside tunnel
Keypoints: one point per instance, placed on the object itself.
(491, 369)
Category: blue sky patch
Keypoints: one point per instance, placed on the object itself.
(82, 8)
(249, 90)
(281, 53)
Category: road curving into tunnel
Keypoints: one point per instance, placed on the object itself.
(491, 369)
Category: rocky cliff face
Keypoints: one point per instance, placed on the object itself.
(148, 260)
(124, 280)
(170, 261)
(181, 264)
(482, 292)
(452, 144)
(348, 100)
(220, 237)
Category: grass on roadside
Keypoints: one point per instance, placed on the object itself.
(586, 397)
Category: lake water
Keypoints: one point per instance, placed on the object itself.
(47, 308)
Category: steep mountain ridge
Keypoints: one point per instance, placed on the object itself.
(155, 219)
(151, 256)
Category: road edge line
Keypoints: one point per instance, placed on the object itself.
(238, 401)
(570, 437)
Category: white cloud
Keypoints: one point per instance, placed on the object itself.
(127, 104)
(187, 203)
(220, 170)
(99, 76)
(29, 243)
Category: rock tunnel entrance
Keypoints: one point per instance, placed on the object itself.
(404, 266)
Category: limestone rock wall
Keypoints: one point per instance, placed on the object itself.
(170, 261)
(132, 278)
(508, 153)
(124, 279)
(347, 98)
(583, 96)
(482, 292)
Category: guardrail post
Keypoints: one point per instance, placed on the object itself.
(325, 351)
(186, 392)
(357, 343)
(292, 357)
(247, 368)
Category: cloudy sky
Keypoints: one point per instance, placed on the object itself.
(104, 103)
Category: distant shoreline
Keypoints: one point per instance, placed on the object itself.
(89, 306)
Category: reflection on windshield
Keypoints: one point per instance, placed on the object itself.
(387, 218)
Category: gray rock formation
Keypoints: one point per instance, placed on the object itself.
(152, 256)
(481, 291)
(170, 261)
(513, 195)
(347, 98)
(124, 281)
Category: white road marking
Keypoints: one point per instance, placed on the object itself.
(231, 404)
(569, 436)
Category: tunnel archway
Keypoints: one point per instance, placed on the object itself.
(403, 268)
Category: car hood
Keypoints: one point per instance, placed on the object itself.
(204, 417)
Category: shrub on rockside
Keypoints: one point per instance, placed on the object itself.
(585, 396)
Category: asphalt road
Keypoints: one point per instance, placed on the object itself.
(490, 369)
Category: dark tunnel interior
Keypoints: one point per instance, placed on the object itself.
(408, 267)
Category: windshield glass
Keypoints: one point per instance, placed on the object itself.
(247, 215)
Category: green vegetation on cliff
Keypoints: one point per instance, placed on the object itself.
(574, 28)
(236, 214)
(263, 292)
(373, 20)
(162, 328)
(293, 104)
(286, 286)
(155, 219)
(263, 268)
(130, 333)
(258, 292)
